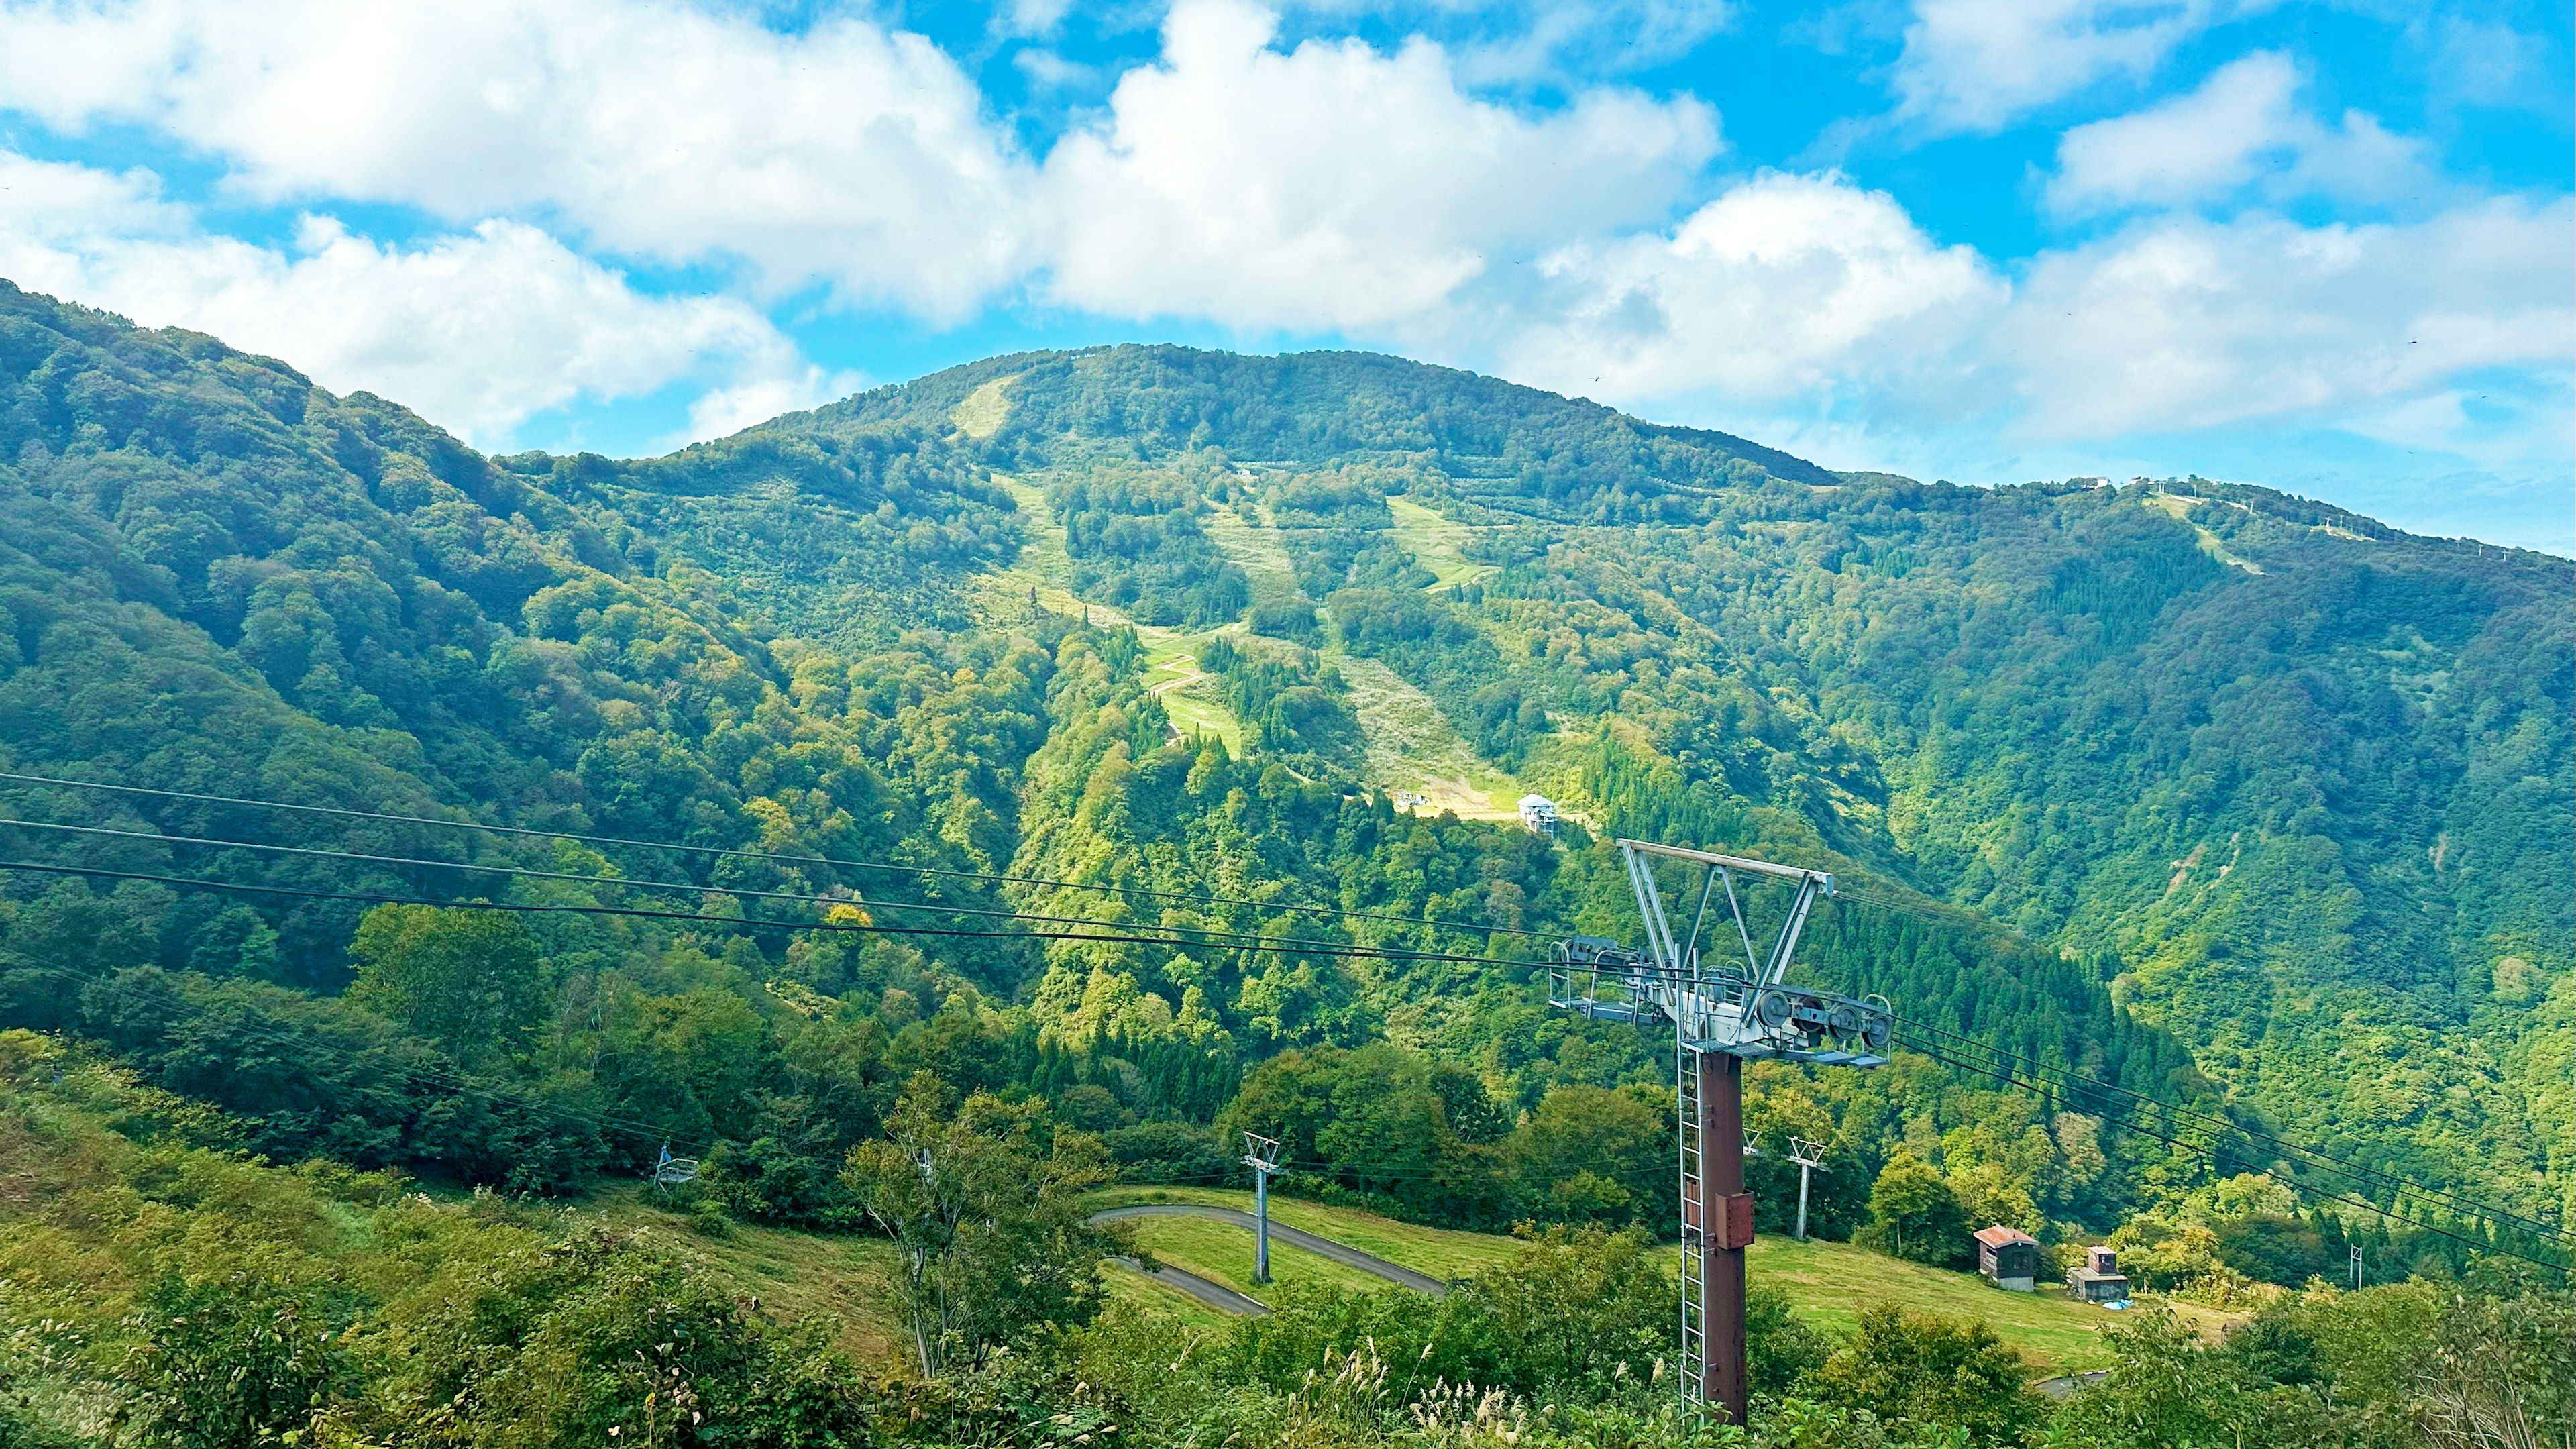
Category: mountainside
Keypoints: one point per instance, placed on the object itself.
(2171, 767)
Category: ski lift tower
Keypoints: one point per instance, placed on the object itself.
(1722, 1015)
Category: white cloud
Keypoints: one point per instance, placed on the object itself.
(2183, 324)
(2243, 126)
(847, 155)
(477, 331)
(1975, 65)
(1784, 285)
(724, 411)
(1334, 186)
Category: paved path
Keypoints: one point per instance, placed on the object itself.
(1214, 1295)
(1341, 1253)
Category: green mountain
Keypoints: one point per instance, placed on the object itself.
(2211, 790)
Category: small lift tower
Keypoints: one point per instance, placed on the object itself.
(1722, 1014)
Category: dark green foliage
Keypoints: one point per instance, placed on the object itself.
(1431, 641)
(1290, 703)
(2266, 841)
(1372, 1125)
(307, 1078)
(1140, 547)
(1293, 620)
(2273, 1248)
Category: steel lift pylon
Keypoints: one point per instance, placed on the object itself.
(1722, 1015)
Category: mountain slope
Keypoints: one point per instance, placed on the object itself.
(2285, 781)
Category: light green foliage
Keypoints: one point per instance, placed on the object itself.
(1933, 1372)
(1914, 1214)
(2216, 794)
(1586, 1154)
(991, 1228)
(158, 1293)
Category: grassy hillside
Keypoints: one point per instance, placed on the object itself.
(1827, 1283)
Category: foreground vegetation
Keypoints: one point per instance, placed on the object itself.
(159, 1288)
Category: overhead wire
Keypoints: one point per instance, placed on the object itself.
(1221, 940)
(2065, 1081)
(920, 871)
(800, 897)
(2314, 1157)
(1257, 946)
(2210, 1151)
(2306, 1155)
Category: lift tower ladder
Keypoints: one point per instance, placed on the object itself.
(1722, 1014)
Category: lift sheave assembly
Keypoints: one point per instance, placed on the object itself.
(1722, 1013)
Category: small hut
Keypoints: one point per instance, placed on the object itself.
(2098, 1278)
(2009, 1258)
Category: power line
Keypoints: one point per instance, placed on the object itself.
(2211, 1152)
(728, 852)
(868, 928)
(2309, 1156)
(799, 897)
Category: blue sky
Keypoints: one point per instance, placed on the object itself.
(2321, 247)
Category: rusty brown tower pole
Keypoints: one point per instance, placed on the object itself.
(1721, 1015)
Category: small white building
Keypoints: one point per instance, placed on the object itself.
(1539, 813)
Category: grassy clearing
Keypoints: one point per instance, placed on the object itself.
(841, 1283)
(2180, 509)
(1257, 550)
(1172, 675)
(1412, 747)
(984, 410)
(1222, 1253)
(1436, 543)
(1437, 1251)
(1827, 1283)
(1045, 571)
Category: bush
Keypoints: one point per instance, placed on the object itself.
(1933, 1371)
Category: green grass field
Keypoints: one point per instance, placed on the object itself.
(1435, 543)
(1827, 1283)
(1222, 1253)
(843, 1283)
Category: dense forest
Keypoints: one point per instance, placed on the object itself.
(828, 795)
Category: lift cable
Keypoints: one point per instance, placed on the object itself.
(2071, 1083)
(2204, 1150)
(800, 897)
(923, 871)
(1224, 941)
(2308, 1156)
(856, 927)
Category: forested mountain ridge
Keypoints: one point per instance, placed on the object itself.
(2285, 782)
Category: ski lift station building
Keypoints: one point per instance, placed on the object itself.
(1539, 813)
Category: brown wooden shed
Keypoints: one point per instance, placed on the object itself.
(2008, 1257)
